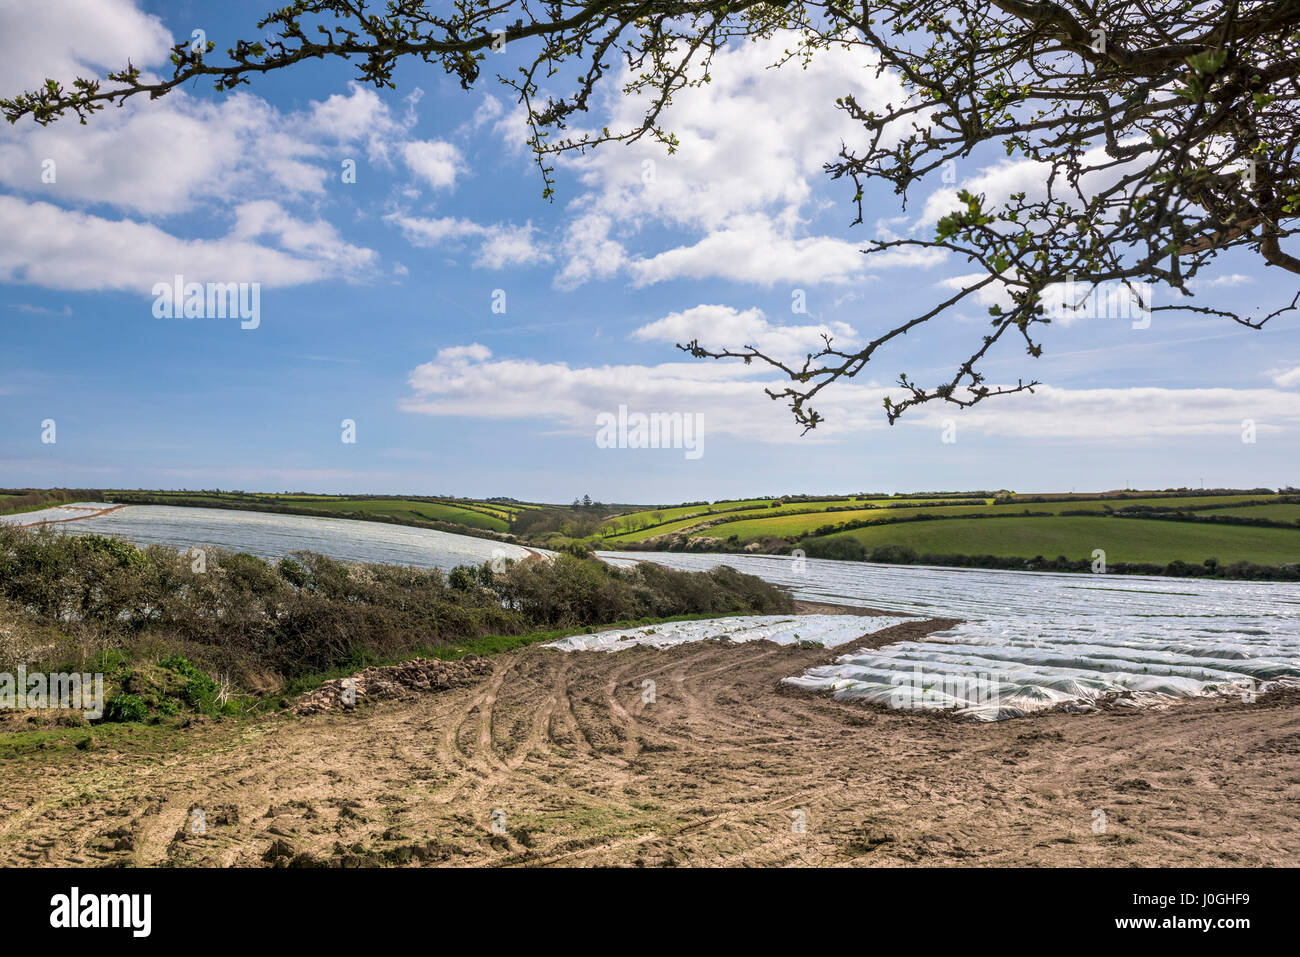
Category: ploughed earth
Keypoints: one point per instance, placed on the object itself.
(542, 757)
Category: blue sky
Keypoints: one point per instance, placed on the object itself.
(376, 298)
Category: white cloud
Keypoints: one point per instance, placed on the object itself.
(489, 110)
(997, 182)
(590, 251)
(510, 246)
(1066, 303)
(468, 382)
(63, 249)
(751, 138)
(718, 326)
(752, 142)
(181, 154)
(1285, 378)
(316, 240)
(753, 249)
(1126, 414)
(64, 39)
(499, 245)
(1219, 282)
(165, 158)
(235, 156)
(360, 117)
(435, 162)
(160, 157)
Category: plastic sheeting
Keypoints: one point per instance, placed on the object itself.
(272, 536)
(57, 513)
(825, 630)
(1032, 641)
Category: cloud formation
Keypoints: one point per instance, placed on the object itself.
(44, 245)
(741, 182)
(499, 245)
(470, 382)
(716, 326)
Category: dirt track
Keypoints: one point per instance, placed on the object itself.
(713, 772)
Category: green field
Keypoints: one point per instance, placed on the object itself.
(478, 514)
(1274, 513)
(426, 511)
(6, 509)
(1100, 505)
(763, 510)
(785, 525)
(1124, 539)
(491, 516)
(683, 511)
(796, 524)
(1009, 534)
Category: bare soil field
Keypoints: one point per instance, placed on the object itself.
(559, 759)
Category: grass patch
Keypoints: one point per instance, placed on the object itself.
(52, 745)
(1075, 537)
(1276, 513)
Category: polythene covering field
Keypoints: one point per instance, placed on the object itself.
(825, 630)
(1035, 640)
(56, 513)
(272, 536)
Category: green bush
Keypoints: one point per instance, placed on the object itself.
(199, 691)
(292, 572)
(845, 549)
(125, 707)
(893, 555)
(123, 553)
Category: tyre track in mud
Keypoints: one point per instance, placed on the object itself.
(718, 769)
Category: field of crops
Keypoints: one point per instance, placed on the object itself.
(696, 515)
(270, 535)
(492, 516)
(695, 518)
(1030, 641)
(1274, 513)
(1010, 534)
(657, 515)
(1123, 539)
(788, 525)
